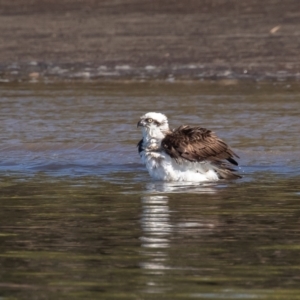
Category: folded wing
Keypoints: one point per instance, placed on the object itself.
(198, 144)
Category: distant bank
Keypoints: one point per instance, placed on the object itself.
(143, 39)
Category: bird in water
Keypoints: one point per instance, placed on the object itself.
(188, 153)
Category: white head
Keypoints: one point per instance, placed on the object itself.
(154, 125)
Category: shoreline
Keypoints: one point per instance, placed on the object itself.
(149, 40)
(43, 72)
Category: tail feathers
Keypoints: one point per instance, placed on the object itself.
(233, 161)
(225, 172)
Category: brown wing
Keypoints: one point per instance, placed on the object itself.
(197, 144)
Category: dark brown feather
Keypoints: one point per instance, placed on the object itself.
(225, 171)
(196, 144)
(140, 146)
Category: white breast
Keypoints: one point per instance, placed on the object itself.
(162, 167)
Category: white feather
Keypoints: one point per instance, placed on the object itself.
(160, 165)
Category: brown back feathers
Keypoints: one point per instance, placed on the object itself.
(198, 144)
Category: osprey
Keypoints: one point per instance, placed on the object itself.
(188, 153)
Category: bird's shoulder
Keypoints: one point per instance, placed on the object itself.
(191, 135)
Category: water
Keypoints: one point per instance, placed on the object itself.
(81, 219)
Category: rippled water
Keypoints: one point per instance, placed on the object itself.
(81, 219)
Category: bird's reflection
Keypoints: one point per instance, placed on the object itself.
(182, 187)
(155, 221)
(158, 226)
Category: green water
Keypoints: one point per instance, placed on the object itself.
(80, 217)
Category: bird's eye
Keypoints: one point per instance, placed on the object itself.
(150, 120)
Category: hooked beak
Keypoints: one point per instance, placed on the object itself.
(141, 123)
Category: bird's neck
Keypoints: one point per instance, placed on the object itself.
(152, 137)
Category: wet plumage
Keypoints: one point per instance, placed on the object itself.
(188, 153)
